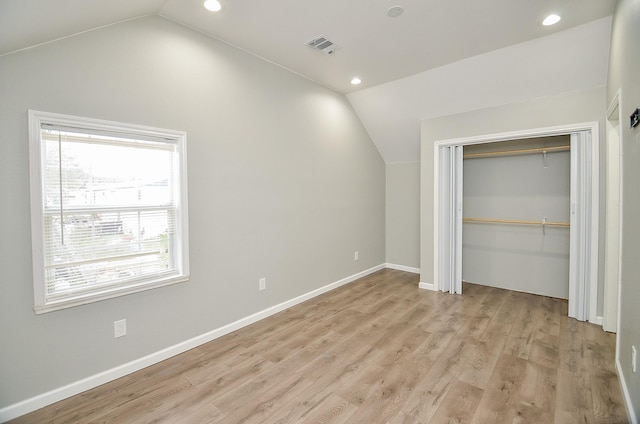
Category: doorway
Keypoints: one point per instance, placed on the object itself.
(516, 227)
(583, 219)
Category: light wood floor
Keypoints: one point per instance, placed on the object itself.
(378, 350)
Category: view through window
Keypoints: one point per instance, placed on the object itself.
(112, 211)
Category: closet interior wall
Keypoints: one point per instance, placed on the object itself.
(507, 197)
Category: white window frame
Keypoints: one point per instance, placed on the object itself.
(36, 163)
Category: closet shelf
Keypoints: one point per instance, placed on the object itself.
(542, 150)
(517, 222)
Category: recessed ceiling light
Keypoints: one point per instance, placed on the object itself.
(355, 80)
(395, 11)
(551, 20)
(212, 5)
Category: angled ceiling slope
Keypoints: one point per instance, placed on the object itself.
(571, 60)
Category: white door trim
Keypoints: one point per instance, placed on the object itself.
(591, 263)
(613, 241)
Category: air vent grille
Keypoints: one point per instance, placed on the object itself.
(322, 44)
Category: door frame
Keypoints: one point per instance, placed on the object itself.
(613, 241)
(589, 266)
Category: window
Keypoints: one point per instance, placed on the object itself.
(108, 209)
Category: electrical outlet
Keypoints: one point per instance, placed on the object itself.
(634, 358)
(355, 256)
(262, 284)
(119, 328)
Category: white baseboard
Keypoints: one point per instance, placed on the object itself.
(597, 321)
(427, 286)
(625, 393)
(403, 268)
(29, 405)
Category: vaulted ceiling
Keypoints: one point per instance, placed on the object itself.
(399, 59)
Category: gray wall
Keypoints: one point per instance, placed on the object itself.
(567, 108)
(520, 187)
(284, 183)
(403, 214)
(624, 71)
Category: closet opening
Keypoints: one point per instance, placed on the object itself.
(516, 197)
(486, 229)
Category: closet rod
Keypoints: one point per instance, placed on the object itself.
(516, 221)
(518, 152)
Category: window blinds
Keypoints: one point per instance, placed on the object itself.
(110, 205)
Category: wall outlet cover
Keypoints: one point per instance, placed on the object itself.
(119, 328)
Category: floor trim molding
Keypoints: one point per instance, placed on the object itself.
(427, 286)
(625, 393)
(29, 405)
(403, 268)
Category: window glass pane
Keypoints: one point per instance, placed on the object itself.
(106, 174)
(109, 215)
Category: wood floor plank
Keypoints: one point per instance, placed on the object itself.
(229, 379)
(330, 369)
(344, 370)
(440, 377)
(599, 347)
(344, 361)
(537, 395)
(509, 310)
(608, 406)
(491, 302)
(574, 404)
(265, 402)
(440, 337)
(474, 328)
(140, 407)
(378, 350)
(572, 347)
(331, 410)
(483, 354)
(459, 405)
(206, 414)
(193, 403)
(520, 338)
(210, 368)
(500, 399)
(389, 392)
(545, 348)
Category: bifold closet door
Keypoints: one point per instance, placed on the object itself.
(580, 231)
(450, 220)
(583, 211)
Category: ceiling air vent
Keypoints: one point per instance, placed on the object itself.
(322, 44)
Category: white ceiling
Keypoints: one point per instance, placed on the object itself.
(377, 48)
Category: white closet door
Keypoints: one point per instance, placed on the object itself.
(450, 220)
(580, 232)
